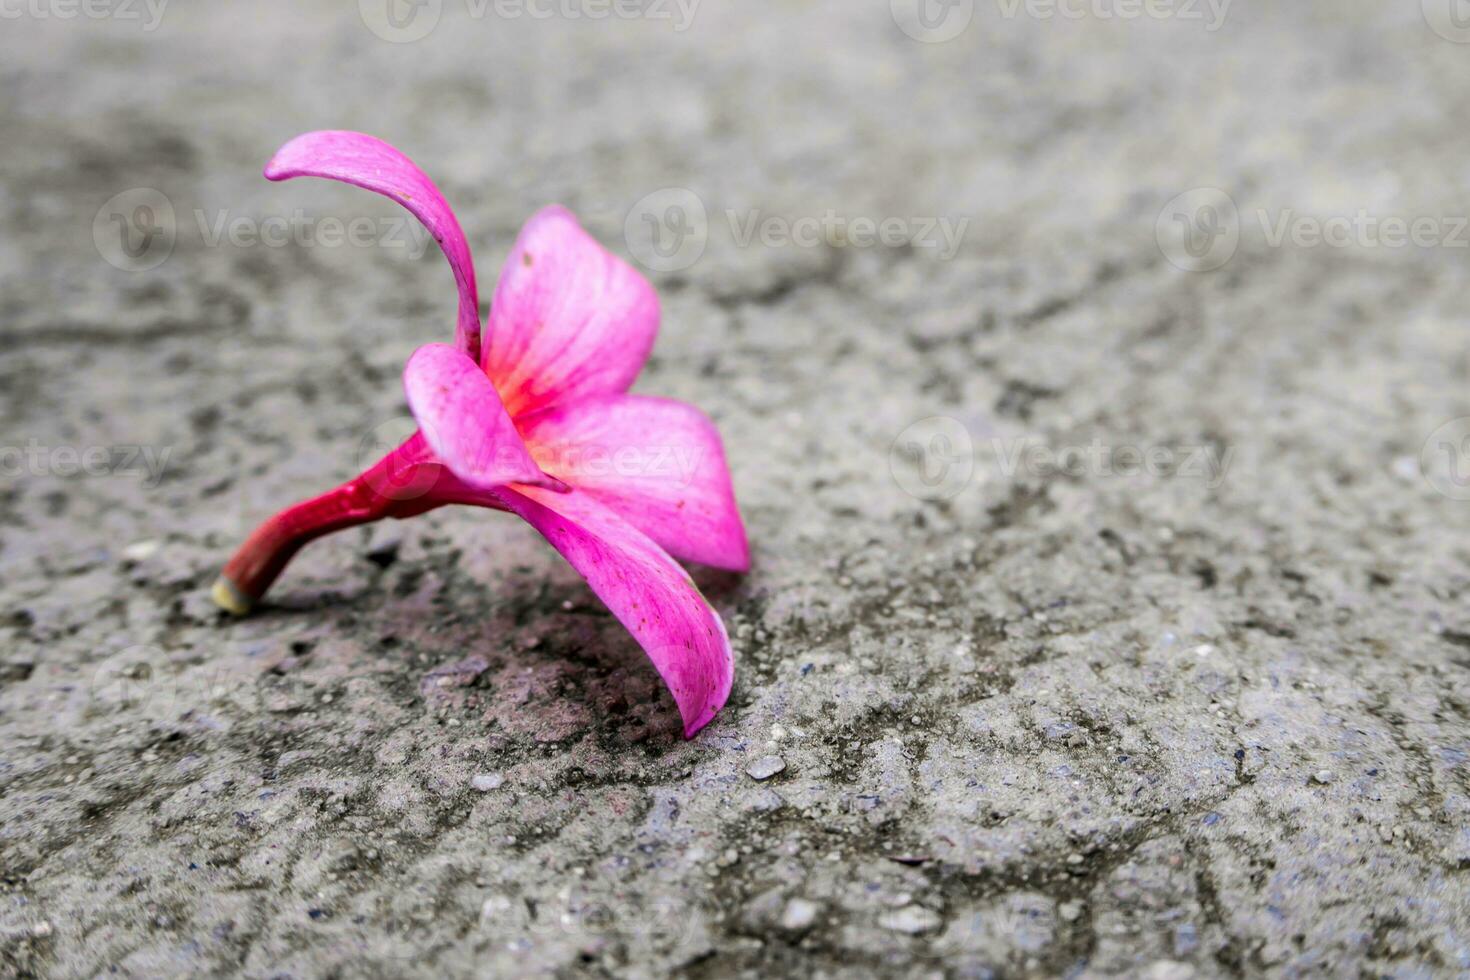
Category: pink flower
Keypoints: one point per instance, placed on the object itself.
(538, 423)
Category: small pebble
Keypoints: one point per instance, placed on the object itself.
(1070, 911)
(486, 781)
(141, 550)
(765, 767)
(799, 914)
(1168, 970)
(913, 919)
(1323, 776)
(41, 929)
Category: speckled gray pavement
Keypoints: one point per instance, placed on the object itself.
(1108, 612)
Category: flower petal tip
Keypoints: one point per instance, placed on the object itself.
(734, 556)
(697, 715)
(694, 726)
(286, 162)
(317, 151)
(699, 706)
(741, 563)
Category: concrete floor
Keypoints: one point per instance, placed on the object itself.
(1108, 612)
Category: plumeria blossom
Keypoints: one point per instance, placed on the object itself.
(535, 419)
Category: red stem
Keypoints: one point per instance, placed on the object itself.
(407, 482)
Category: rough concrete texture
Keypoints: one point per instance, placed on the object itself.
(1084, 723)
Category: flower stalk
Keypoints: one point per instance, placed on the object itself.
(405, 483)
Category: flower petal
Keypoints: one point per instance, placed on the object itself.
(464, 423)
(658, 463)
(368, 162)
(569, 320)
(646, 590)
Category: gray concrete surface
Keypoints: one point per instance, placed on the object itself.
(1177, 722)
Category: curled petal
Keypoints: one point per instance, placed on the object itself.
(569, 319)
(366, 161)
(463, 421)
(646, 590)
(658, 463)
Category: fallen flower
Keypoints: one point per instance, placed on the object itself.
(539, 424)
